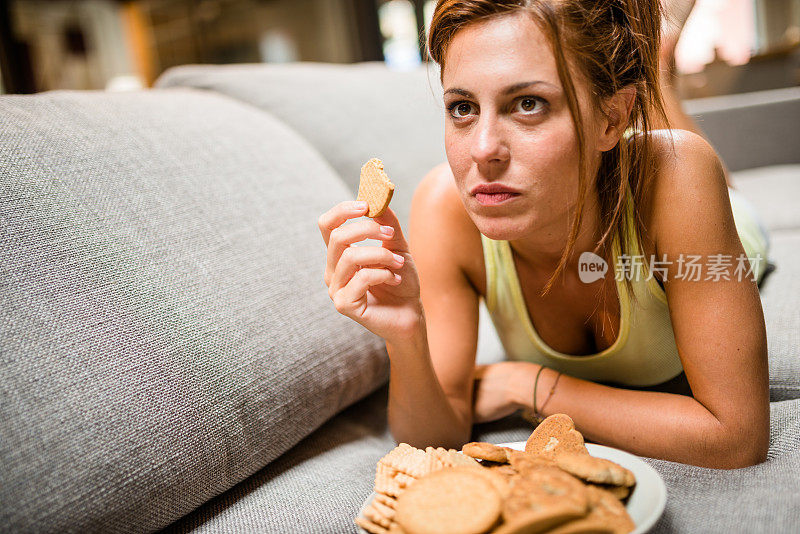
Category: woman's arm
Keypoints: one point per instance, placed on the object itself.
(648, 423)
(432, 371)
(719, 330)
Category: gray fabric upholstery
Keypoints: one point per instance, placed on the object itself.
(319, 486)
(350, 113)
(165, 331)
(774, 191)
(751, 129)
(780, 297)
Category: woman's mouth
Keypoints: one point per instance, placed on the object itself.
(493, 199)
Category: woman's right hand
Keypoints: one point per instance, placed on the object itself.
(368, 283)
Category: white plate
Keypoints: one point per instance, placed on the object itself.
(646, 503)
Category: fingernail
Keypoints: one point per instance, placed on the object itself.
(360, 205)
(387, 230)
(398, 258)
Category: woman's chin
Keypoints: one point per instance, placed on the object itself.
(499, 229)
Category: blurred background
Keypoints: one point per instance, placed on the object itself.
(728, 46)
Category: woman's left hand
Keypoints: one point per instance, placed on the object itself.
(499, 389)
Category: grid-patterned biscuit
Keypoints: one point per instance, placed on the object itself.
(385, 500)
(382, 509)
(404, 480)
(433, 463)
(370, 527)
(375, 187)
(452, 458)
(407, 459)
(378, 515)
(385, 481)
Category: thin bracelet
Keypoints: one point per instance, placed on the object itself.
(535, 387)
(552, 389)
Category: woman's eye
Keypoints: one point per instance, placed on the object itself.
(528, 105)
(459, 110)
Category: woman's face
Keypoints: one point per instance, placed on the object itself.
(507, 123)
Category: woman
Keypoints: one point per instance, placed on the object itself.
(549, 104)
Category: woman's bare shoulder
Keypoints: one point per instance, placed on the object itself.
(437, 203)
(689, 175)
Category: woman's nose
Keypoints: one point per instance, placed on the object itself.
(489, 143)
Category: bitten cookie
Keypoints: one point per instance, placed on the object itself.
(554, 435)
(374, 187)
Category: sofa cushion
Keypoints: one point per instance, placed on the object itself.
(165, 331)
(774, 192)
(779, 298)
(350, 113)
(320, 485)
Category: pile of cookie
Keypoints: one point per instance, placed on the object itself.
(554, 486)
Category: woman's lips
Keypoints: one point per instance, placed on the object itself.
(493, 199)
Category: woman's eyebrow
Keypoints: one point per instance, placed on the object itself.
(508, 90)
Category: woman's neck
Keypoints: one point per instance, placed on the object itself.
(542, 251)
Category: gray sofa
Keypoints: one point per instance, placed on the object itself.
(169, 356)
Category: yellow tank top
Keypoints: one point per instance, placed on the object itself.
(644, 353)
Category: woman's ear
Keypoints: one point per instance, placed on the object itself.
(617, 111)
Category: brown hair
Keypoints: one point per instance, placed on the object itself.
(614, 44)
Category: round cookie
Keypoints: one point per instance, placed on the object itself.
(597, 470)
(620, 492)
(523, 460)
(543, 487)
(504, 470)
(497, 480)
(486, 451)
(583, 526)
(540, 521)
(607, 509)
(449, 501)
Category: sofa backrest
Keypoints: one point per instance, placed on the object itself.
(165, 330)
(350, 113)
(752, 130)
